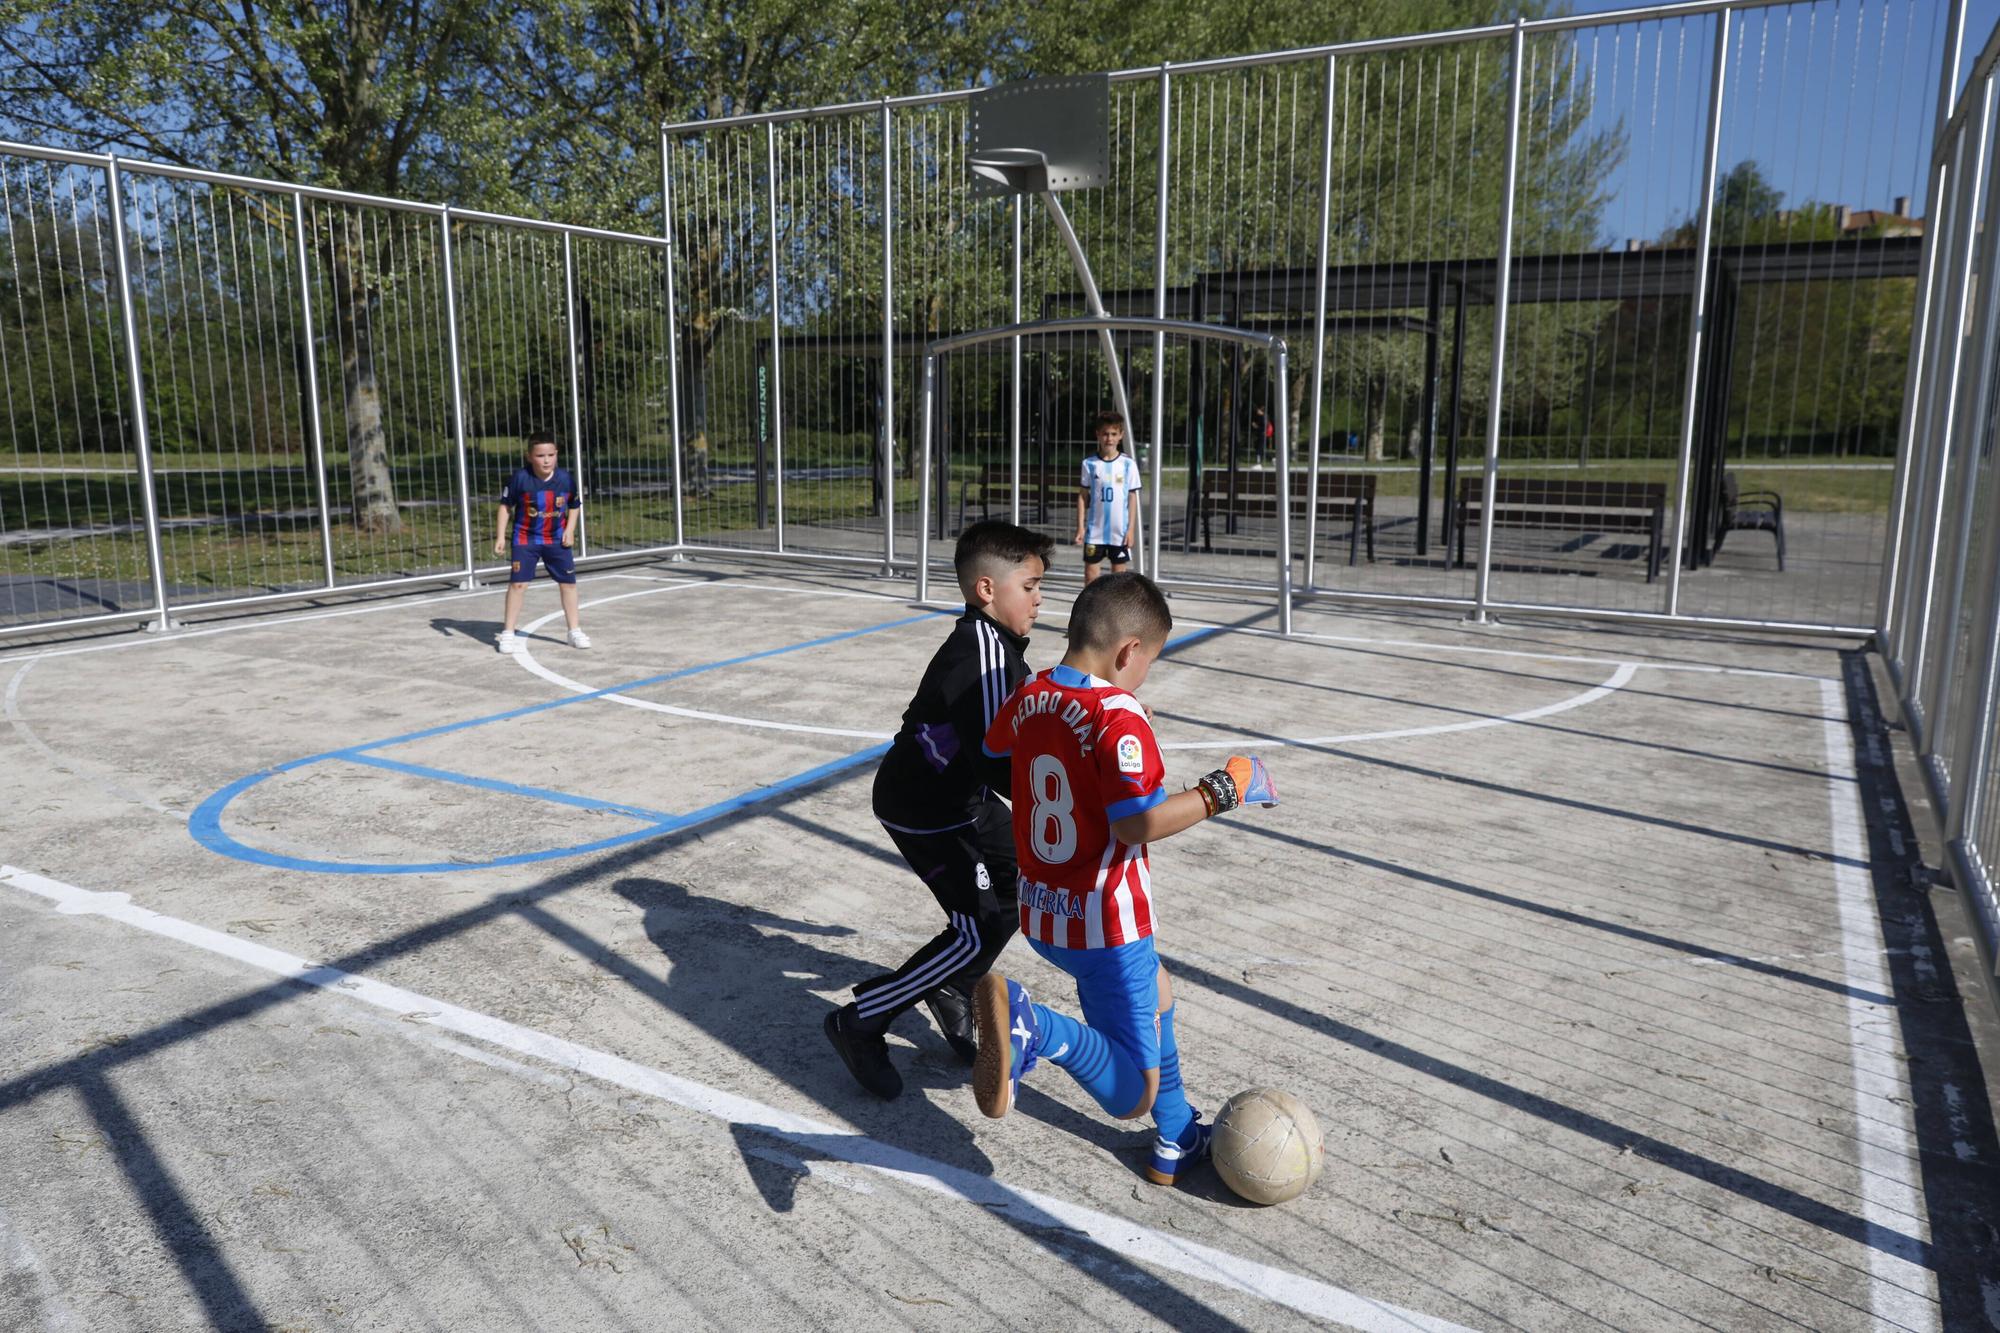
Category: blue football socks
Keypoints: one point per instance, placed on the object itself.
(1171, 1112)
(1101, 1069)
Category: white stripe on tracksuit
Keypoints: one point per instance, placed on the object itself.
(928, 977)
(992, 672)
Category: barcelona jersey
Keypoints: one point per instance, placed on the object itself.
(1083, 757)
(541, 507)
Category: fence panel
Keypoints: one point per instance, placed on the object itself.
(624, 426)
(382, 348)
(723, 286)
(72, 528)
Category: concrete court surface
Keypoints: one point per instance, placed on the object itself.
(355, 976)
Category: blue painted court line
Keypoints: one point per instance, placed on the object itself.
(205, 822)
(549, 794)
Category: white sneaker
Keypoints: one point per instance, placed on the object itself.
(578, 639)
(508, 642)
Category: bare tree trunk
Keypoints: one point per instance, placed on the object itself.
(1301, 447)
(1378, 419)
(1413, 437)
(373, 484)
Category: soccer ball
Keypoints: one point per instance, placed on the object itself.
(1267, 1146)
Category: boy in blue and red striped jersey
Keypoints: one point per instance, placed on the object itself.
(1089, 794)
(539, 511)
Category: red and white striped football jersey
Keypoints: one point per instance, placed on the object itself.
(1083, 757)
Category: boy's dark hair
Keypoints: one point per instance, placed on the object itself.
(994, 546)
(1106, 417)
(1119, 606)
(541, 435)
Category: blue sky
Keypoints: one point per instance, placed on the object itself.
(1829, 99)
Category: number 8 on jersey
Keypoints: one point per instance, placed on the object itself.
(1083, 757)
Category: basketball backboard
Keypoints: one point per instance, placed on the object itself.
(1041, 134)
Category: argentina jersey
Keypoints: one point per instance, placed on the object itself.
(1108, 484)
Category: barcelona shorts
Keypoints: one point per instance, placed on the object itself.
(1119, 989)
(560, 560)
(1117, 555)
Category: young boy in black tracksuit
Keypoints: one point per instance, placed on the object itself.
(935, 795)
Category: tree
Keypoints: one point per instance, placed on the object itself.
(386, 97)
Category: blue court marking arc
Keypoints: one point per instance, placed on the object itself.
(205, 822)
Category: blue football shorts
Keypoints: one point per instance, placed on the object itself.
(1119, 988)
(559, 558)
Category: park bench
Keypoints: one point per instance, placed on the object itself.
(1576, 506)
(994, 486)
(1344, 498)
(1750, 511)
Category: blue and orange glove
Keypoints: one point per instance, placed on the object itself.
(1240, 781)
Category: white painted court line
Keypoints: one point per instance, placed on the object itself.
(1618, 679)
(1128, 1239)
(1901, 1292)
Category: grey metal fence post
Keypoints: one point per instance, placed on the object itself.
(777, 365)
(1944, 413)
(141, 439)
(1974, 394)
(1284, 441)
(457, 398)
(1970, 765)
(1157, 463)
(1014, 378)
(924, 480)
(1503, 270)
(888, 338)
(1914, 386)
(575, 394)
(1319, 329)
(312, 389)
(1684, 466)
(673, 339)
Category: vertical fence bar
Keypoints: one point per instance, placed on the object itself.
(1155, 472)
(1319, 328)
(924, 479)
(673, 338)
(312, 389)
(1284, 434)
(141, 440)
(457, 396)
(1975, 744)
(777, 364)
(1915, 385)
(1951, 349)
(1503, 273)
(1684, 466)
(1014, 380)
(1975, 391)
(575, 393)
(888, 341)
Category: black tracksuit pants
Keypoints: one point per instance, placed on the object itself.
(972, 873)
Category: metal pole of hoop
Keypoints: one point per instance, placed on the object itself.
(924, 479)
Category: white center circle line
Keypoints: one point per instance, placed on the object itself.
(1617, 680)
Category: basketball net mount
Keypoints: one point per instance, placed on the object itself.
(1024, 171)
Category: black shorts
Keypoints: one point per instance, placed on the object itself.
(1117, 555)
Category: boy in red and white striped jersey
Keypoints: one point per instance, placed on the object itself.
(1089, 794)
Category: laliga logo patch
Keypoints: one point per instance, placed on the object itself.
(985, 880)
(1131, 756)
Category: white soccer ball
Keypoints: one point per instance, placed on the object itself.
(1267, 1145)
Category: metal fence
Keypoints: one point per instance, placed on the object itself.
(1697, 343)
(221, 391)
(1940, 621)
(1605, 315)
